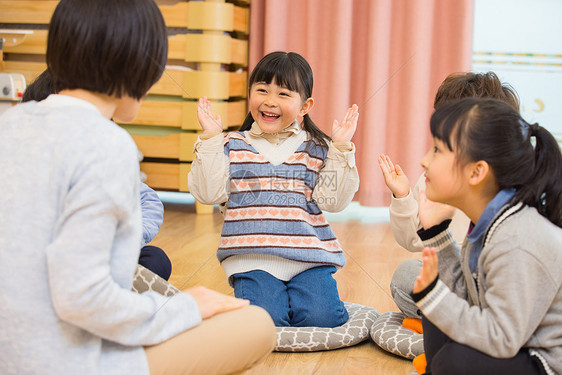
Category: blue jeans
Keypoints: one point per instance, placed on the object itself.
(309, 299)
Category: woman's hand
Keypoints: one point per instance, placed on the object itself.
(211, 303)
(394, 177)
(344, 132)
(432, 213)
(205, 117)
(429, 270)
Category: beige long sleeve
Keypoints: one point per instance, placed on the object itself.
(208, 180)
(209, 176)
(338, 180)
(405, 220)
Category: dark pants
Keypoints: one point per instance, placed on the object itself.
(156, 260)
(445, 356)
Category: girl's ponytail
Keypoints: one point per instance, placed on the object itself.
(544, 190)
(316, 134)
(247, 124)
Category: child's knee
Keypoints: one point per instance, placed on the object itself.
(404, 276)
(264, 291)
(402, 285)
(325, 317)
(450, 359)
(156, 260)
(280, 318)
(262, 324)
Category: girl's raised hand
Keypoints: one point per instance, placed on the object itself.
(432, 213)
(205, 117)
(429, 270)
(394, 177)
(344, 132)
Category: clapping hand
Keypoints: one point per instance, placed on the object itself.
(205, 117)
(394, 177)
(429, 270)
(344, 132)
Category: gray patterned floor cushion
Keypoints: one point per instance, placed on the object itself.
(310, 339)
(146, 280)
(388, 333)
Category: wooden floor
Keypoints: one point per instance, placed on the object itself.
(191, 240)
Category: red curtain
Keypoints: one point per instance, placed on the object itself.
(387, 56)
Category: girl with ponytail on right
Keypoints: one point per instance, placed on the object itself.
(494, 306)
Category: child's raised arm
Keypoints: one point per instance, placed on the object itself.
(339, 180)
(208, 178)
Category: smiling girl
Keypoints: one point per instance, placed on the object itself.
(494, 306)
(277, 174)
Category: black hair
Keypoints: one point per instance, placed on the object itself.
(107, 46)
(481, 85)
(39, 89)
(291, 71)
(492, 131)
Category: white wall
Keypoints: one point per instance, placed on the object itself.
(521, 41)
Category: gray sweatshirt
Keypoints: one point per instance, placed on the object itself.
(514, 300)
(70, 228)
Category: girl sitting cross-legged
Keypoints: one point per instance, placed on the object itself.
(70, 219)
(494, 306)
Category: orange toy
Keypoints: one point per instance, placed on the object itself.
(414, 324)
(420, 363)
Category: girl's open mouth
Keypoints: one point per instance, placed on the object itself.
(269, 116)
